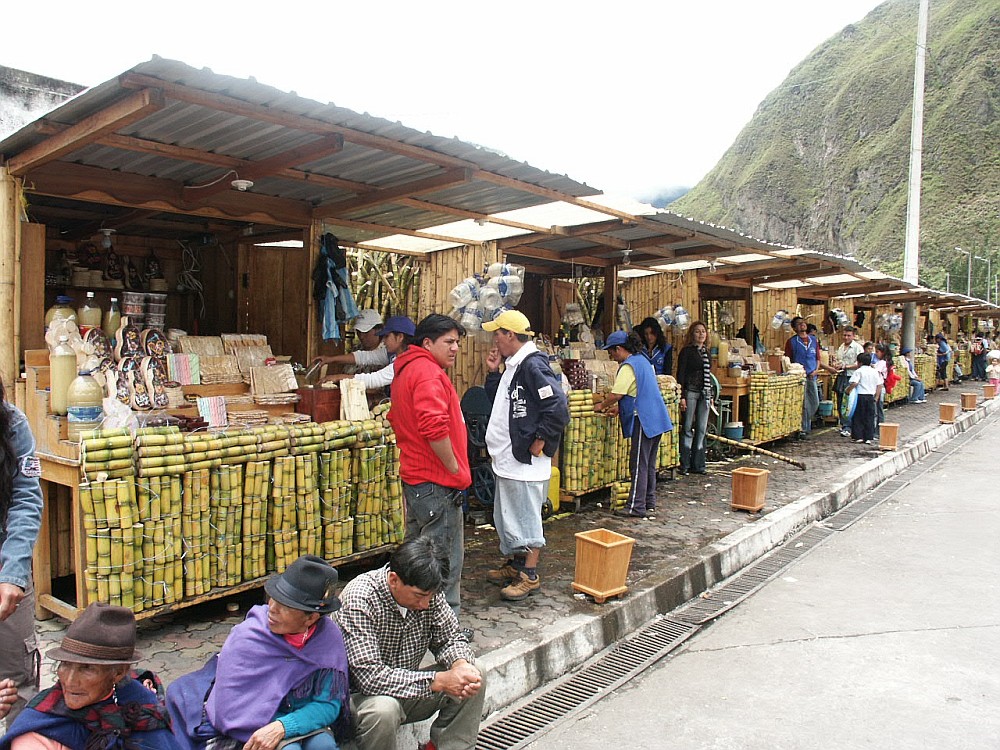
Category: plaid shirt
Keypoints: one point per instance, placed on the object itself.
(384, 649)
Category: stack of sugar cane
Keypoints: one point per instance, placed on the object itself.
(340, 434)
(621, 447)
(256, 487)
(335, 503)
(160, 503)
(283, 547)
(370, 465)
(238, 446)
(202, 450)
(272, 441)
(106, 454)
(775, 405)
(159, 451)
(581, 402)
(583, 453)
(308, 437)
(619, 494)
(113, 537)
(226, 518)
(196, 532)
(394, 502)
(308, 516)
(669, 454)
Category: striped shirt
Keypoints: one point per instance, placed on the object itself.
(385, 647)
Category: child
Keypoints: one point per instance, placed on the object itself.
(993, 371)
(869, 385)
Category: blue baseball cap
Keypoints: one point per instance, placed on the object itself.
(618, 338)
(398, 324)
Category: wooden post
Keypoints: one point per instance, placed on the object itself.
(9, 252)
(610, 319)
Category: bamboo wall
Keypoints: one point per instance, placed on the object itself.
(765, 305)
(444, 270)
(647, 294)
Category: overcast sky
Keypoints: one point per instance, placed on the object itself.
(627, 96)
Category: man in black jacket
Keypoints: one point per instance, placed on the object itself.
(529, 414)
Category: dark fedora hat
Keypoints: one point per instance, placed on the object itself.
(102, 634)
(308, 584)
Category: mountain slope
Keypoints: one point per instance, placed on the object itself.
(823, 162)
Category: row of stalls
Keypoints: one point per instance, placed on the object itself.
(211, 198)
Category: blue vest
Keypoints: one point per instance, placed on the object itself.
(648, 402)
(806, 354)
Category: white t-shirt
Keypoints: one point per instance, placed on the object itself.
(369, 361)
(867, 379)
(498, 431)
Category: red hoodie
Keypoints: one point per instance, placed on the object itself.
(425, 407)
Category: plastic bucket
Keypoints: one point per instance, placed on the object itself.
(733, 430)
(826, 408)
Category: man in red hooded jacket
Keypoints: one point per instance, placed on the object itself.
(430, 431)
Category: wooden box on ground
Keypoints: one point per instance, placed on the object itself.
(989, 391)
(602, 559)
(948, 413)
(888, 439)
(969, 401)
(749, 488)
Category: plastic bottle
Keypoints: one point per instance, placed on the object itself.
(112, 320)
(89, 314)
(62, 310)
(84, 405)
(62, 371)
(464, 292)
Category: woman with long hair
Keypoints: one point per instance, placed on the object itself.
(655, 346)
(643, 417)
(20, 520)
(694, 375)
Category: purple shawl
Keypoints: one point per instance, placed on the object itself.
(257, 669)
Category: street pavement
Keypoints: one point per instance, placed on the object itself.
(693, 514)
(887, 635)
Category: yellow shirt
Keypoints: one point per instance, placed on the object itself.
(625, 382)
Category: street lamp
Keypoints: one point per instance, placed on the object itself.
(968, 277)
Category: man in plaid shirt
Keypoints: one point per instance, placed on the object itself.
(390, 618)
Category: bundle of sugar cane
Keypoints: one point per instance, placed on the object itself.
(110, 514)
(272, 442)
(238, 446)
(106, 454)
(394, 510)
(340, 434)
(202, 450)
(619, 494)
(380, 410)
(255, 514)
(159, 451)
(669, 451)
(196, 531)
(226, 518)
(307, 438)
(581, 402)
(365, 533)
(372, 432)
(335, 485)
(338, 539)
(370, 478)
(284, 537)
(307, 499)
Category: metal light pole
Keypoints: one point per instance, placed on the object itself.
(947, 281)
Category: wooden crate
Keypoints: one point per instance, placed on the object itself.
(948, 413)
(969, 401)
(989, 391)
(602, 559)
(749, 488)
(888, 439)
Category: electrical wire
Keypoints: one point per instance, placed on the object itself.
(187, 279)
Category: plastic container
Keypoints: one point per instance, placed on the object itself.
(89, 314)
(464, 292)
(84, 405)
(62, 371)
(62, 310)
(733, 430)
(135, 303)
(826, 408)
(112, 320)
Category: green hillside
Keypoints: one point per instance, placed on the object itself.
(823, 162)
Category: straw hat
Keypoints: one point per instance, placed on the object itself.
(102, 634)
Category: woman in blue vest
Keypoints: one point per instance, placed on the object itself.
(656, 348)
(643, 417)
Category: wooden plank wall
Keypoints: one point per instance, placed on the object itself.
(32, 287)
(444, 270)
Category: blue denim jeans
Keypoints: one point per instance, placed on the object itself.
(695, 425)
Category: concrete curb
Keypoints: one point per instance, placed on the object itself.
(524, 665)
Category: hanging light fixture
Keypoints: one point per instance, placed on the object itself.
(106, 241)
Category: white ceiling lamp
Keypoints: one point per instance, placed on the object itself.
(106, 241)
(241, 184)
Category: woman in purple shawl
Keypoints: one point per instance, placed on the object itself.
(281, 677)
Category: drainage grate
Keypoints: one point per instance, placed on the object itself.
(607, 671)
(750, 579)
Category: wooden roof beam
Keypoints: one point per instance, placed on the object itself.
(540, 253)
(383, 230)
(81, 182)
(432, 184)
(839, 290)
(254, 170)
(775, 273)
(117, 115)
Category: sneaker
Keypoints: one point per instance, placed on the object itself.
(521, 588)
(845, 432)
(859, 440)
(504, 574)
(868, 442)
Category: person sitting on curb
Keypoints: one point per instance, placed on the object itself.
(529, 415)
(390, 618)
(281, 677)
(918, 393)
